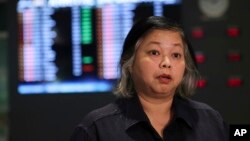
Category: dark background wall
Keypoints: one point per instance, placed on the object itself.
(53, 117)
(226, 57)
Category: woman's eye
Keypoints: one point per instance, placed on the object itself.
(176, 55)
(154, 52)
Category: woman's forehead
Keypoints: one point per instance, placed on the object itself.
(162, 37)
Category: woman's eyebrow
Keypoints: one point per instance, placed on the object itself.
(154, 42)
(178, 45)
(159, 43)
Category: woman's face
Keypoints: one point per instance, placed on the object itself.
(159, 64)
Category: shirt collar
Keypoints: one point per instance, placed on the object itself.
(134, 112)
(182, 110)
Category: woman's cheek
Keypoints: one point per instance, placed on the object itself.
(154, 60)
(150, 62)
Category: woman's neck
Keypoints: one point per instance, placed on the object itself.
(156, 105)
(158, 111)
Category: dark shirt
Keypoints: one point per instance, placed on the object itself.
(125, 120)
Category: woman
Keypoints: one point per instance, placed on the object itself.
(158, 74)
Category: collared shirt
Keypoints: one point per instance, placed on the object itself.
(125, 120)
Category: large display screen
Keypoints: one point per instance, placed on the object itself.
(73, 46)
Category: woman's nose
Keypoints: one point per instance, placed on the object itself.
(165, 62)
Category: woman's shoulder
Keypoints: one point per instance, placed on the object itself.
(109, 110)
(199, 105)
(194, 104)
(200, 108)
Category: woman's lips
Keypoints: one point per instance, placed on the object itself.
(165, 79)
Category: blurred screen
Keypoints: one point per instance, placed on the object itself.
(73, 46)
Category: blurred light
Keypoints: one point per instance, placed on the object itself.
(234, 56)
(76, 41)
(88, 68)
(86, 25)
(197, 33)
(200, 57)
(87, 60)
(67, 3)
(233, 32)
(158, 8)
(66, 87)
(234, 82)
(201, 83)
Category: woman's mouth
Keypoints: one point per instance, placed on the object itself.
(164, 78)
